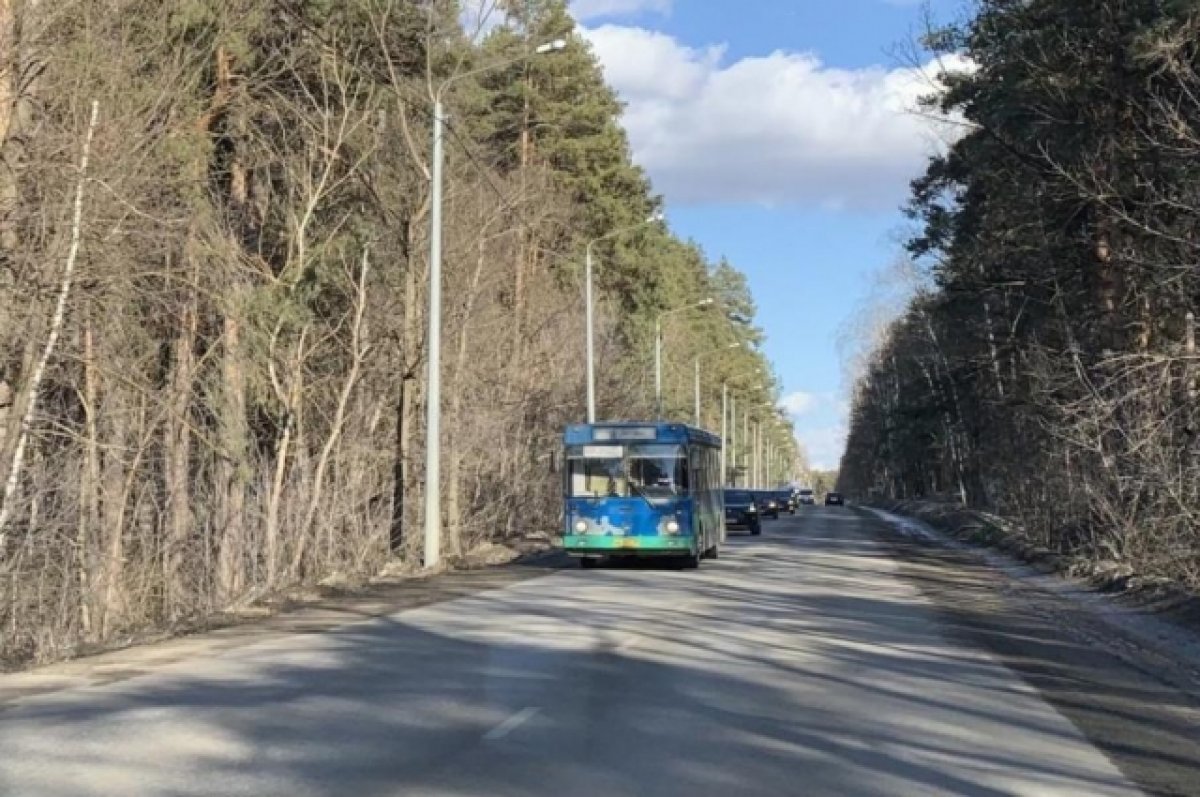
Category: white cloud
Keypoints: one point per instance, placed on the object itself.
(824, 445)
(774, 129)
(584, 10)
(800, 403)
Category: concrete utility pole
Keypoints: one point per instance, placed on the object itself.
(658, 348)
(724, 433)
(700, 357)
(746, 444)
(733, 439)
(433, 405)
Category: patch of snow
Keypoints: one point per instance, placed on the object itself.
(1163, 638)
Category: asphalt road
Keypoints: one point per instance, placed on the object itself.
(804, 662)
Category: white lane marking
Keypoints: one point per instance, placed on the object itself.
(511, 724)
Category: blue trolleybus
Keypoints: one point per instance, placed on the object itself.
(643, 490)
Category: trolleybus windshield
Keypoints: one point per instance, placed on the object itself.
(649, 470)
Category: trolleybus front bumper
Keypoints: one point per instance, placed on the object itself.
(592, 545)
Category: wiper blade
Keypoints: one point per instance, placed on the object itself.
(633, 488)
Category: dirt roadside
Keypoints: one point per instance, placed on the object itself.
(1135, 695)
(338, 608)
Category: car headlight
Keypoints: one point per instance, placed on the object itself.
(672, 527)
(753, 510)
(581, 527)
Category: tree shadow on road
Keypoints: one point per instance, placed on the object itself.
(747, 686)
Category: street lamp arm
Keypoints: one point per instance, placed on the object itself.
(549, 47)
(621, 231)
(686, 308)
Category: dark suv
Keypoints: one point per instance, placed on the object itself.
(834, 499)
(768, 503)
(741, 511)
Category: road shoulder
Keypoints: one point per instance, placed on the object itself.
(342, 608)
(1138, 702)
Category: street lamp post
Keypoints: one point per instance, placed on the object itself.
(724, 433)
(734, 439)
(589, 312)
(746, 444)
(757, 455)
(697, 387)
(433, 406)
(658, 348)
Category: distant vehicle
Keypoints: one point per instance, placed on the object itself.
(768, 503)
(834, 499)
(787, 501)
(806, 497)
(741, 511)
(642, 490)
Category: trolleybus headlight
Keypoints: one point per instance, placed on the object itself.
(581, 526)
(672, 527)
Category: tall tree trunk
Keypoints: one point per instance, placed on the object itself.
(403, 488)
(523, 242)
(89, 482)
(359, 347)
(57, 320)
(993, 349)
(233, 466)
(454, 497)
(20, 68)
(178, 445)
(125, 430)
(290, 396)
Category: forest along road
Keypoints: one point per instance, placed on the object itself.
(808, 661)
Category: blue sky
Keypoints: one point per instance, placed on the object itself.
(780, 135)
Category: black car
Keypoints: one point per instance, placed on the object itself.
(834, 499)
(741, 511)
(787, 501)
(806, 497)
(768, 503)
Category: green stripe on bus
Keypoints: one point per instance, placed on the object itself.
(598, 543)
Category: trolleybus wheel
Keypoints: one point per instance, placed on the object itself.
(692, 561)
(589, 563)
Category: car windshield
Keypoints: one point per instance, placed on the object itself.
(651, 471)
(738, 497)
(806, 492)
